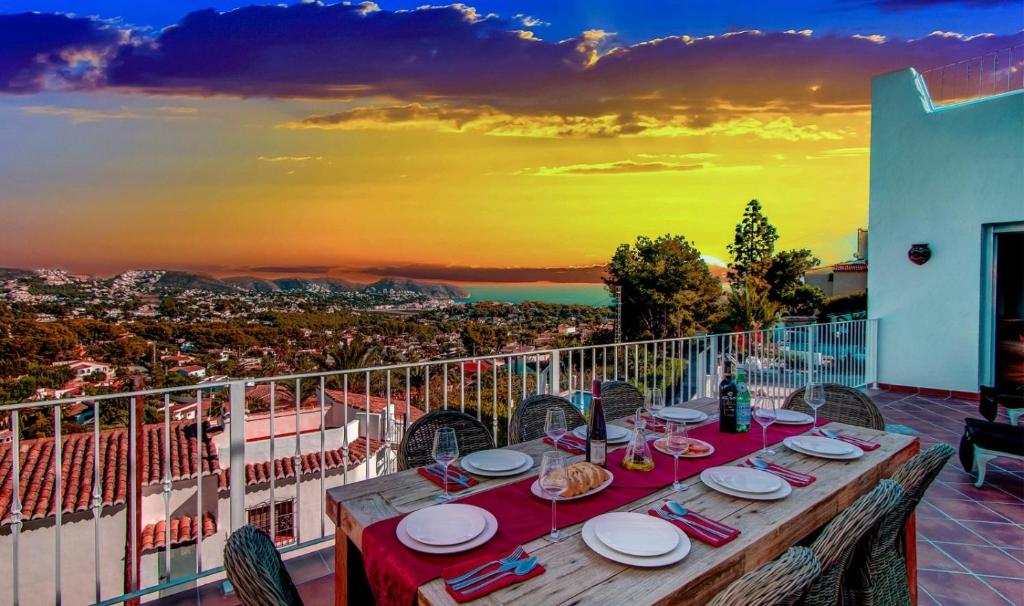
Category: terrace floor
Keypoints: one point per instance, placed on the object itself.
(970, 541)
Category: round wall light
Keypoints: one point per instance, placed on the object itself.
(919, 254)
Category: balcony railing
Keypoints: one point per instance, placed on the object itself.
(994, 73)
(161, 493)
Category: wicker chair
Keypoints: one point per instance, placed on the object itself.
(842, 404)
(778, 582)
(256, 571)
(834, 547)
(418, 442)
(880, 576)
(620, 399)
(530, 415)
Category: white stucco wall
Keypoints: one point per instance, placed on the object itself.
(938, 175)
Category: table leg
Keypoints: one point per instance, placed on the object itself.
(350, 583)
(910, 542)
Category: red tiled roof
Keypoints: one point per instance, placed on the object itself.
(358, 401)
(37, 471)
(284, 467)
(283, 396)
(183, 530)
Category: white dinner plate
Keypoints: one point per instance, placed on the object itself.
(781, 493)
(659, 445)
(616, 433)
(683, 548)
(792, 417)
(537, 492)
(745, 479)
(678, 413)
(635, 534)
(448, 524)
(496, 459)
(489, 530)
(526, 466)
(808, 445)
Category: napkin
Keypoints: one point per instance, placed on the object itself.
(859, 443)
(454, 474)
(794, 477)
(457, 570)
(570, 443)
(707, 537)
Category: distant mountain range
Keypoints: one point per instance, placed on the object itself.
(187, 280)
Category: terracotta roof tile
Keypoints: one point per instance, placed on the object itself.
(38, 473)
(183, 530)
(284, 467)
(358, 401)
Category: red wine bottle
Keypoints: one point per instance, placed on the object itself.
(597, 431)
(727, 392)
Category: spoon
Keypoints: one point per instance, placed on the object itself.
(522, 568)
(681, 511)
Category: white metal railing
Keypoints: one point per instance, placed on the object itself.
(994, 73)
(779, 360)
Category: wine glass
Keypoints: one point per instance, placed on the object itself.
(553, 481)
(554, 425)
(676, 442)
(446, 450)
(656, 405)
(765, 415)
(815, 398)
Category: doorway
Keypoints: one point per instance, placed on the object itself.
(1008, 300)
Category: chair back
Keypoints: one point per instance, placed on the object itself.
(620, 399)
(778, 582)
(842, 404)
(529, 417)
(881, 574)
(256, 571)
(835, 546)
(416, 449)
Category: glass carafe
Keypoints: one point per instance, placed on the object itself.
(638, 452)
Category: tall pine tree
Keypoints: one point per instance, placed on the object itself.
(752, 248)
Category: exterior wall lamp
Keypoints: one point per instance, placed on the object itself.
(919, 253)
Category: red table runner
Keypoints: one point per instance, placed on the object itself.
(395, 572)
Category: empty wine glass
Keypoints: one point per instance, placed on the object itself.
(446, 451)
(676, 442)
(765, 415)
(655, 405)
(553, 481)
(554, 425)
(815, 398)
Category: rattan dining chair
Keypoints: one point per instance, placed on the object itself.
(256, 571)
(778, 582)
(620, 399)
(418, 443)
(842, 404)
(530, 415)
(835, 546)
(880, 576)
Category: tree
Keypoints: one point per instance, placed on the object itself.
(785, 280)
(752, 247)
(667, 289)
(748, 308)
(802, 300)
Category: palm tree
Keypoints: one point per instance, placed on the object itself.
(749, 309)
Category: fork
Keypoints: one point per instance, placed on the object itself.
(698, 527)
(510, 559)
(453, 476)
(521, 568)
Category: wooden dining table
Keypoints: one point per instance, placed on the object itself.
(576, 575)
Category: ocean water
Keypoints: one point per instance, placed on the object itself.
(579, 294)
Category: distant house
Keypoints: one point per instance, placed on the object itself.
(195, 371)
(839, 279)
(84, 368)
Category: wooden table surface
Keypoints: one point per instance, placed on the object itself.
(577, 575)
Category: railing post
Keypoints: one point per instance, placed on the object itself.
(713, 361)
(556, 374)
(236, 450)
(871, 363)
(812, 359)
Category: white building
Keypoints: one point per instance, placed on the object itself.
(952, 178)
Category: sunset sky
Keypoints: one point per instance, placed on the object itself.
(385, 138)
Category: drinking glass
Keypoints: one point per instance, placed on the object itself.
(655, 405)
(446, 450)
(815, 398)
(553, 481)
(676, 442)
(554, 425)
(764, 414)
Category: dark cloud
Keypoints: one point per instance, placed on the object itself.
(66, 51)
(565, 275)
(903, 5)
(453, 69)
(295, 269)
